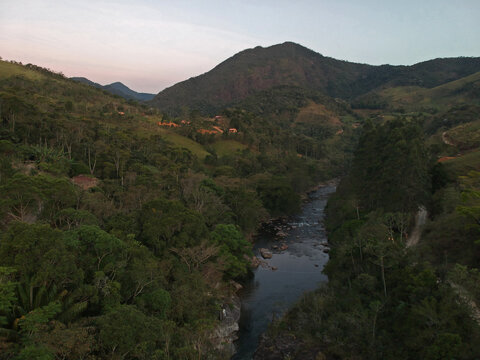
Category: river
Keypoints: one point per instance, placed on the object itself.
(299, 268)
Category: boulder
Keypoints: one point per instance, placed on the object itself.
(266, 254)
(226, 332)
(254, 261)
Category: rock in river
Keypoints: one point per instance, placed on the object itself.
(266, 254)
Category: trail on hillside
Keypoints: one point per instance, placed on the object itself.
(461, 292)
(445, 139)
(466, 298)
(420, 219)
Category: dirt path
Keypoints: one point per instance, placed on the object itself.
(445, 139)
(420, 219)
(464, 295)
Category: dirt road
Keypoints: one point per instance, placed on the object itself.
(420, 220)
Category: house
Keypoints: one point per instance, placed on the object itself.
(445, 158)
(121, 113)
(232, 131)
(220, 131)
(169, 124)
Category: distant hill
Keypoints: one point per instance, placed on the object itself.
(291, 64)
(117, 88)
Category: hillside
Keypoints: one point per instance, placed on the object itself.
(291, 64)
(112, 214)
(465, 90)
(117, 88)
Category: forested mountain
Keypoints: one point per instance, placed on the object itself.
(291, 64)
(117, 88)
(122, 235)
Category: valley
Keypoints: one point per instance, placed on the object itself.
(128, 225)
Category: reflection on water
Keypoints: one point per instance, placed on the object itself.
(299, 268)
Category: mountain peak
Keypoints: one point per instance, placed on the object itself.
(117, 88)
(291, 64)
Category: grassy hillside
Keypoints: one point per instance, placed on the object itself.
(9, 69)
(464, 90)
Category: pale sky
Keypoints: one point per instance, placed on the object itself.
(152, 44)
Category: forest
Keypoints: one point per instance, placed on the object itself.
(123, 240)
(389, 297)
(125, 231)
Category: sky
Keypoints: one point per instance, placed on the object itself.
(152, 44)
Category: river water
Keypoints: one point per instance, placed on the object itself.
(299, 269)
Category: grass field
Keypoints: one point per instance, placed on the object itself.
(439, 97)
(317, 113)
(227, 147)
(184, 142)
(464, 164)
(7, 70)
(466, 136)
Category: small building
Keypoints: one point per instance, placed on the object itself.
(446, 158)
(232, 131)
(168, 124)
(205, 131)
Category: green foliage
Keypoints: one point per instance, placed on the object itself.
(106, 267)
(166, 223)
(278, 196)
(383, 300)
(392, 156)
(7, 294)
(234, 250)
(156, 302)
(125, 330)
(35, 352)
(116, 255)
(38, 253)
(32, 321)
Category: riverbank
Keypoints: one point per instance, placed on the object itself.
(288, 273)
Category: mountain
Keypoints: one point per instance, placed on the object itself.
(294, 65)
(117, 88)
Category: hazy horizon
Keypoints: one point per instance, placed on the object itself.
(152, 45)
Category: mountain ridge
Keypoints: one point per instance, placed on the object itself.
(117, 88)
(291, 64)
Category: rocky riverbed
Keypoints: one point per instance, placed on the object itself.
(299, 249)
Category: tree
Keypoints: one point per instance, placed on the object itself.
(166, 224)
(7, 293)
(41, 259)
(126, 331)
(22, 198)
(233, 248)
